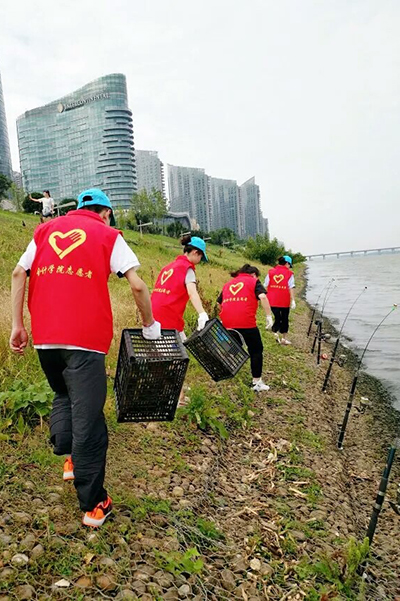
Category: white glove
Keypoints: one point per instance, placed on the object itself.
(293, 304)
(270, 322)
(201, 322)
(152, 332)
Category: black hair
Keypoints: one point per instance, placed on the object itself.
(46, 192)
(94, 208)
(249, 269)
(187, 247)
(282, 261)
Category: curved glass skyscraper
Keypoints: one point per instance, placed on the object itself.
(5, 157)
(84, 140)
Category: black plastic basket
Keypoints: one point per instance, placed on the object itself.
(150, 376)
(217, 351)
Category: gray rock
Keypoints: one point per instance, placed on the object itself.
(5, 539)
(184, 591)
(178, 491)
(138, 586)
(6, 573)
(28, 542)
(21, 517)
(19, 559)
(228, 579)
(298, 535)
(25, 591)
(126, 594)
(107, 561)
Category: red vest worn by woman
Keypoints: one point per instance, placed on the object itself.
(239, 302)
(68, 296)
(169, 297)
(278, 290)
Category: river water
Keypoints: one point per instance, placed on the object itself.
(381, 274)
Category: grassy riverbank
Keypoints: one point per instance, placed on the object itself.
(257, 505)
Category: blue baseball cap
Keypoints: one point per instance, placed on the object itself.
(94, 196)
(200, 245)
(286, 257)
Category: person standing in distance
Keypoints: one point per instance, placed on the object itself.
(280, 285)
(69, 261)
(239, 303)
(47, 205)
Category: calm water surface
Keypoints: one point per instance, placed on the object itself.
(381, 273)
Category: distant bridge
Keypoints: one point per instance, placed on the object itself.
(351, 253)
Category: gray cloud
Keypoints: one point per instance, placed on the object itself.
(303, 95)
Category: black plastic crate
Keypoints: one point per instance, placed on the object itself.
(150, 376)
(217, 351)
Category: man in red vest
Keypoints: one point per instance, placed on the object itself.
(69, 261)
(280, 284)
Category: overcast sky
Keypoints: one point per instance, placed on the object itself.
(303, 94)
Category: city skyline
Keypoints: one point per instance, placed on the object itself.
(82, 140)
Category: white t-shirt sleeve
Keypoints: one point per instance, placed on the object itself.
(122, 257)
(27, 258)
(291, 283)
(190, 277)
(266, 281)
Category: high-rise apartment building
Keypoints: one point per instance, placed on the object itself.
(189, 192)
(83, 140)
(149, 171)
(250, 207)
(225, 205)
(5, 156)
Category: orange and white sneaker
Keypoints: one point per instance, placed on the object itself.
(68, 470)
(98, 515)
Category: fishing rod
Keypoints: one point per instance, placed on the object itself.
(335, 348)
(354, 383)
(380, 498)
(316, 305)
(319, 322)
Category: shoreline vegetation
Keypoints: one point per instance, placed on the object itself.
(242, 496)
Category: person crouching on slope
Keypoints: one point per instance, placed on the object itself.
(239, 303)
(280, 285)
(69, 260)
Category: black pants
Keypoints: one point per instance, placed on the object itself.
(77, 423)
(281, 323)
(255, 347)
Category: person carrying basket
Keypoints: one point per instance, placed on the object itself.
(69, 261)
(279, 284)
(175, 286)
(239, 303)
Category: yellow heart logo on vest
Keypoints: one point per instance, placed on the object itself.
(74, 237)
(278, 278)
(235, 288)
(166, 275)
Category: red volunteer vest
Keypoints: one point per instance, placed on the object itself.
(278, 289)
(68, 296)
(239, 302)
(169, 297)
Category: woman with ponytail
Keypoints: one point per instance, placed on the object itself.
(176, 285)
(239, 303)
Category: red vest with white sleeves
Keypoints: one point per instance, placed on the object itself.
(278, 288)
(169, 297)
(239, 302)
(68, 296)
